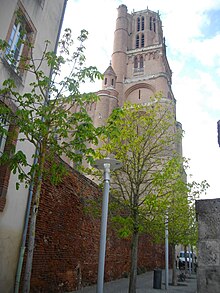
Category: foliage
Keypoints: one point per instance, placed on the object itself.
(152, 179)
(143, 138)
(51, 116)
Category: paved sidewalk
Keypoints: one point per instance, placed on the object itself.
(145, 285)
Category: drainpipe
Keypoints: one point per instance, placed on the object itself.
(31, 187)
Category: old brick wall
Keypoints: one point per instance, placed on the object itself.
(67, 240)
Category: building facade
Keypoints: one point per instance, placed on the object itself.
(139, 67)
(41, 20)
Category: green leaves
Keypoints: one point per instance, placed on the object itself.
(123, 225)
(3, 45)
(152, 180)
(52, 115)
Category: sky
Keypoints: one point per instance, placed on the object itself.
(192, 32)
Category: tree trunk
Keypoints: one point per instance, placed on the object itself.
(174, 276)
(134, 255)
(32, 228)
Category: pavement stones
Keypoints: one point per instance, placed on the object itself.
(145, 285)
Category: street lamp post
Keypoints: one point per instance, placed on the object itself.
(106, 165)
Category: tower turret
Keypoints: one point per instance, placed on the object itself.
(110, 77)
(119, 56)
(108, 97)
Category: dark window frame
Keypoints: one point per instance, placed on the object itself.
(142, 23)
(154, 24)
(142, 41)
(138, 24)
(137, 41)
(151, 23)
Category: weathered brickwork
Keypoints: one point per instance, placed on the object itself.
(67, 241)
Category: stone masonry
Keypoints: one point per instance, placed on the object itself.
(208, 215)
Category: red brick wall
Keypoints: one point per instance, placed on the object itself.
(67, 240)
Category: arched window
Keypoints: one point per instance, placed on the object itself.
(141, 62)
(138, 24)
(8, 142)
(142, 23)
(5, 125)
(137, 41)
(154, 24)
(112, 81)
(135, 62)
(151, 25)
(142, 40)
(105, 80)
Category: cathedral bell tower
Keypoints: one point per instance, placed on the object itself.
(139, 56)
(140, 68)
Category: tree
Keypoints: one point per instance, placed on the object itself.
(180, 209)
(173, 213)
(144, 139)
(52, 116)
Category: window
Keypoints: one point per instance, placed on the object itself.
(105, 80)
(3, 128)
(137, 41)
(19, 37)
(112, 81)
(141, 62)
(135, 62)
(151, 23)
(142, 23)
(154, 25)
(16, 44)
(8, 139)
(138, 24)
(7, 145)
(138, 64)
(142, 40)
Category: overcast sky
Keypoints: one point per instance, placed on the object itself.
(192, 32)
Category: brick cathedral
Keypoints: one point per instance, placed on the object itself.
(139, 67)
